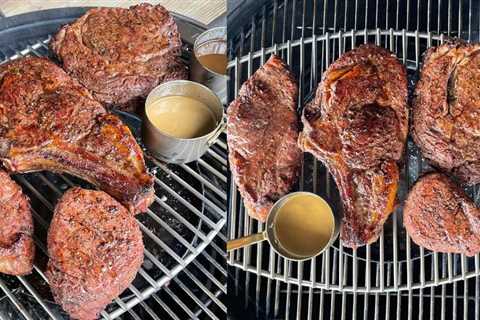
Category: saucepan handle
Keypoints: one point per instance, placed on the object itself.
(217, 133)
(245, 241)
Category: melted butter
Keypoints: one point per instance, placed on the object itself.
(181, 117)
(304, 225)
(215, 62)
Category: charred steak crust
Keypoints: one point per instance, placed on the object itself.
(446, 109)
(439, 216)
(17, 249)
(262, 130)
(48, 121)
(120, 54)
(357, 126)
(95, 248)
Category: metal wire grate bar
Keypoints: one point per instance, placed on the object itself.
(188, 213)
(448, 301)
(394, 262)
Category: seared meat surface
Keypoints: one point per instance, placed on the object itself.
(439, 216)
(95, 249)
(120, 54)
(48, 121)
(446, 109)
(357, 126)
(17, 249)
(262, 130)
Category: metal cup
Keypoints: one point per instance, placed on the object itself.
(177, 150)
(209, 42)
(269, 233)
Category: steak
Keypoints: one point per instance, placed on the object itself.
(120, 54)
(439, 216)
(357, 126)
(48, 121)
(17, 249)
(262, 130)
(95, 248)
(446, 109)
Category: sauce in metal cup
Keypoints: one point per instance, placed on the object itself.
(300, 226)
(165, 144)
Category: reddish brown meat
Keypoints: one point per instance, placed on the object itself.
(446, 109)
(357, 126)
(262, 134)
(17, 249)
(439, 216)
(48, 121)
(95, 248)
(119, 54)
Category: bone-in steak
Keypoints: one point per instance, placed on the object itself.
(16, 228)
(439, 216)
(120, 54)
(357, 126)
(48, 121)
(95, 249)
(262, 134)
(446, 109)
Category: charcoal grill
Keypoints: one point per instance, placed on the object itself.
(309, 35)
(186, 218)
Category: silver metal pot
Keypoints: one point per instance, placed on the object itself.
(177, 150)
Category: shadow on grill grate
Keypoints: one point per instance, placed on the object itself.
(309, 35)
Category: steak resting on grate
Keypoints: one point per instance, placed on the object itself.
(95, 249)
(120, 54)
(446, 109)
(48, 121)
(357, 126)
(439, 216)
(17, 249)
(262, 130)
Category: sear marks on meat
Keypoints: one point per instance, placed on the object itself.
(446, 109)
(262, 127)
(120, 54)
(17, 249)
(439, 216)
(357, 126)
(95, 248)
(48, 121)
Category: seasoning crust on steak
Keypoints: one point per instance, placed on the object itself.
(48, 121)
(439, 216)
(17, 249)
(95, 249)
(446, 109)
(121, 54)
(262, 130)
(357, 126)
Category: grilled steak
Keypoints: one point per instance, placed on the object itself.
(95, 248)
(120, 54)
(446, 109)
(357, 126)
(48, 121)
(262, 130)
(439, 216)
(16, 244)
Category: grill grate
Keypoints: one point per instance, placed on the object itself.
(188, 213)
(394, 262)
(448, 301)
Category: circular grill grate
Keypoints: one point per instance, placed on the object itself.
(394, 262)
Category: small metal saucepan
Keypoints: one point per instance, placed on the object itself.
(177, 150)
(270, 234)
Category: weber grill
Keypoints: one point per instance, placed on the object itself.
(309, 35)
(183, 274)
